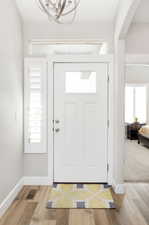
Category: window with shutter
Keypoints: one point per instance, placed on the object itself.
(35, 106)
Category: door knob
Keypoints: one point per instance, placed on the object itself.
(57, 130)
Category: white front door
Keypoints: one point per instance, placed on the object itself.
(80, 122)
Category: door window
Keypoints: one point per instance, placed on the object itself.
(80, 82)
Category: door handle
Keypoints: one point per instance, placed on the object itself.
(57, 130)
(57, 121)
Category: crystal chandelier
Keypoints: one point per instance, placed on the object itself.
(58, 10)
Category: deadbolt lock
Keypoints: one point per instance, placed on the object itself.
(57, 130)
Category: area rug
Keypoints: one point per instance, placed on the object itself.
(81, 196)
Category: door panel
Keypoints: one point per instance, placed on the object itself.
(80, 106)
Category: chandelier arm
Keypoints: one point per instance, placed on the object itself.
(39, 5)
(73, 9)
(44, 8)
(70, 22)
(52, 5)
(59, 3)
(73, 17)
(62, 9)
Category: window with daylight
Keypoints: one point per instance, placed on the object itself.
(35, 106)
(135, 103)
(80, 82)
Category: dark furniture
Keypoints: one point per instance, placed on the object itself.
(143, 140)
(132, 130)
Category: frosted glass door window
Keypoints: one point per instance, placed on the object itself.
(80, 82)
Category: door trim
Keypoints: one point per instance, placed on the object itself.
(108, 59)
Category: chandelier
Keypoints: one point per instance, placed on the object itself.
(59, 10)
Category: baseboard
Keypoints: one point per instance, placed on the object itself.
(118, 188)
(37, 181)
(11, 196)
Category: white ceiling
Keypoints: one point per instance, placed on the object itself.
(88, 11)
(142, 14)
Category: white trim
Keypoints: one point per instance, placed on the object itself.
(66, 41)
(118, 188)
(63, 42)
(66, 59)
(41, 181)
(80, 58)
(111, 122)
(126, 15)
(50, 121)
(11, 196)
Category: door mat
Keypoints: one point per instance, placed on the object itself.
(94, 196)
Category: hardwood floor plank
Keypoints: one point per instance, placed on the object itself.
(41, 211)
(9, 212)
(135, 170)
(23, 193)
(50, 214)
(62, 216)
(76, 217)
(47, 222)
(100, 217)
(31, 194)
(142, 203)
(89, 217)
(15, 214)
(135, 215)
(112, 217)
(81, 217)
(28, 213)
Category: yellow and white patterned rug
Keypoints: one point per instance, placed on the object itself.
(80, 196)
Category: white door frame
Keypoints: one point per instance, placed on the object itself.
(83, 59)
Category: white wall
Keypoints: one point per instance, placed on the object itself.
(137, 39)
(11, 61)
(137, 74)
(36, 165)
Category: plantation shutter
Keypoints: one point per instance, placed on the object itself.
(35, 106)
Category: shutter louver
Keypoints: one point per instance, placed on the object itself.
(35, 106)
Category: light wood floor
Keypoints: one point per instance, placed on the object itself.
(29, 208)
(136, 162)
